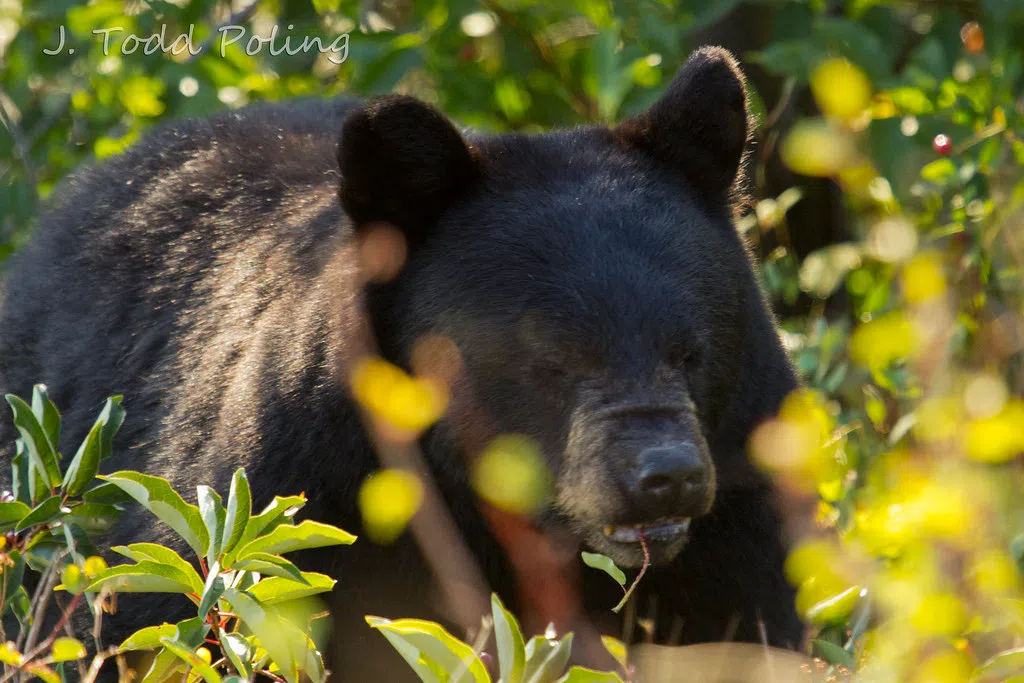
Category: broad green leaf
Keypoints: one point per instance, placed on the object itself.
(277, 589)
(67, 650)
(1002, 666)
(237, 650)
(212, 589)
(435, 643)
(157, 496)
(211, 510)
(12, 512)
(148, 638)
(21, 471)
(511, 647)
(140, 552)
(112, 418)
(578, 674)
(616, 648)
(45, 512)
(282, 509)
(95, 518)
(188, 655)
(547, 659)
(36, 443)
(145, 577)
(605, 564)
(85, 464)
(106, 493)
(288, 647)
(833, 654)
(269, 565)
(11, 577)
(165, 665)
(287, 538)
(47, 415)
(239, 509)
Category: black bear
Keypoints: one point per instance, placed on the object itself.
(592, 280)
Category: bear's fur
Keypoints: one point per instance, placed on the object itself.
(591, 279)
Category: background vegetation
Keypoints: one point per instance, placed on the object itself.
(887, 220)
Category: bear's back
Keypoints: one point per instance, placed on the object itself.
(178, 260)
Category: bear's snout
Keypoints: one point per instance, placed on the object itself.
(669, 481)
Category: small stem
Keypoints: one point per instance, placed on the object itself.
(640, 575)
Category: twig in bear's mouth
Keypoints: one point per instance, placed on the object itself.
(640, 575)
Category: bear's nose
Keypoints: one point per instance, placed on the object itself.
(670, 481)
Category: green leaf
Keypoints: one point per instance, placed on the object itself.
(47, 415)
(141, 552)
(145, 577)
(211, 510)
(1002, 666)
(188, 655)
(85, 464)
(107, 493)
(148, 638)
(578, 674)
(280, 511)
(12, 512)
(94, 518)
(157, 496)
(435, 643)
(45, 512)
(269, 565)
(21, 471)
(112, 416)
(276, 589)
(239, 509)
(939, 171)
(165, 665)
(511, 647)
(237, 650)
(67, 650)
(305, 535)
(833, 654)
(616, 648)
(212, 589)
(36, 442)
(546, 659)
(288, 647)
(605, 564)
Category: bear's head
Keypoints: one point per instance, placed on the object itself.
(593, 282)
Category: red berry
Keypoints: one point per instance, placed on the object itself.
(467, 52)
(942, 145)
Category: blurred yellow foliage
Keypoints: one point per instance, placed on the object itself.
(884, 340)
(922, 278)
(388, 499)
(512, 474)
(998, 438)
(814, 147)
(840, 88)
(410, 404)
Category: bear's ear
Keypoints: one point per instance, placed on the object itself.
(700, 124)
(402, 162)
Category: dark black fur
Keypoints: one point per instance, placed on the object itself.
(577, 271)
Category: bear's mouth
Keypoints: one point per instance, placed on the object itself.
(661, 530)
